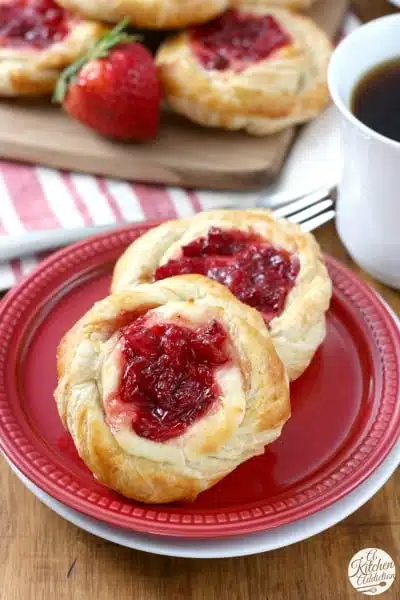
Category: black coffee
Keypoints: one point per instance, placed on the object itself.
(376, 99)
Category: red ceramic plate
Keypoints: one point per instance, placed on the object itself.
(345, 417)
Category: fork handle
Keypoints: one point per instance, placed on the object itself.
(32, 242)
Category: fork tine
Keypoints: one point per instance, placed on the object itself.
(311, 211)
(304, 202)
(317, 221)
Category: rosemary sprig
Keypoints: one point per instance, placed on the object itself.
(99, 49)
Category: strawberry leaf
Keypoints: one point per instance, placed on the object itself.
(98, 49)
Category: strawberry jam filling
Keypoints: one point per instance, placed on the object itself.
(35, 23)
(235, 40)
(256, 272)
(168, 375)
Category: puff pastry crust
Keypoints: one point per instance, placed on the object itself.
(292, 4)
(301, 326)
(253, 404)
(150, 14)
(287, 88)
(29, 71)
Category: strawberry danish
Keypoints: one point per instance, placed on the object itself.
(149, 14)
(168, 387)
(38, 39)
(256, 68)
(269, 265)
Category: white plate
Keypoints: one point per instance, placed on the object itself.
(228, 547)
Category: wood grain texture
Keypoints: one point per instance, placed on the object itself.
(372, 9)
(45, 558)
(184, 154)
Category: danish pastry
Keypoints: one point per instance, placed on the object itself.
(293, 4)
(38, 39)
(256, 68)
(149, 14)
(268, 264)
(168, 387)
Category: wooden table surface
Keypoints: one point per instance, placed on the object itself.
(43, 557)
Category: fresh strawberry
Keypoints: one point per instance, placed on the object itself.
(114, 89)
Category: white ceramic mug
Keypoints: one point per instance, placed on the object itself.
(368, 207)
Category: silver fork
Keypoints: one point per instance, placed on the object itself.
(310, 211)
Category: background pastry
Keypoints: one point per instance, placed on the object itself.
(260, 69)
(168, 387)
(151, 14)
(293, 4)
(271, 265)
(38, 38)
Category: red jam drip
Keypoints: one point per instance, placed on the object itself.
(36, 23)
(168, 375)
(236, 40)
(256, 272)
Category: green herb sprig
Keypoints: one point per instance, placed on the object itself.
(98, 49)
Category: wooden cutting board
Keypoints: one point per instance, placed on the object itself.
(184, 154)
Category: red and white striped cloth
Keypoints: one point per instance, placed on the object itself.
(33, 198)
